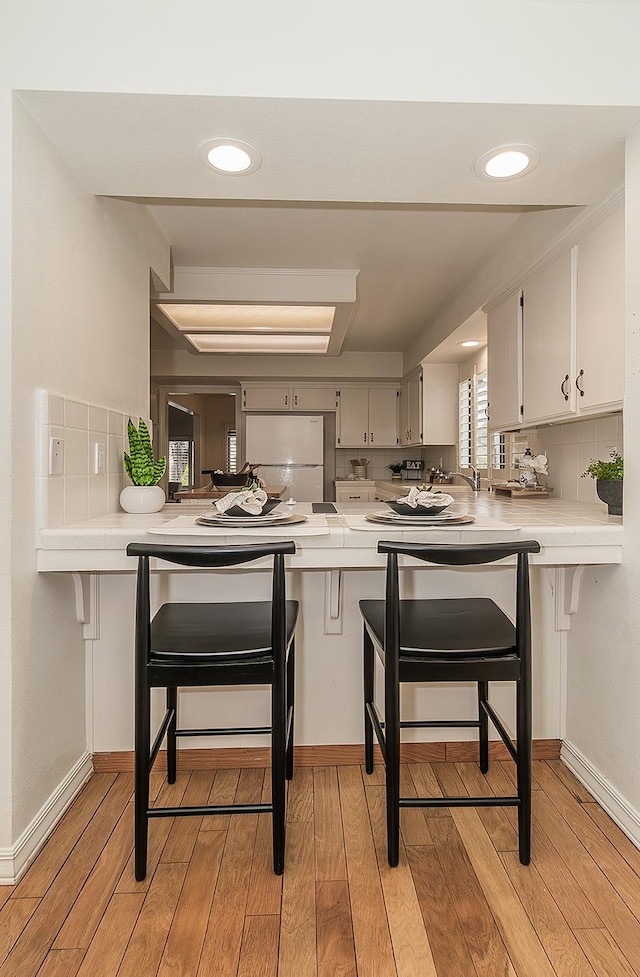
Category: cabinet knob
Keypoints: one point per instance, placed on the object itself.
(286, 399)
(364, 437)
(295, 401)
(578, 379)
(563, 391)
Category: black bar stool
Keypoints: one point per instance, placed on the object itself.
(467, 639)
(208, 644)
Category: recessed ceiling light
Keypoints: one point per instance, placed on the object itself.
(206, 317)
(233, 157)
(220, 343)
(507, 162)
(470, 342)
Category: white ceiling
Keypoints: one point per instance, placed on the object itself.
(385, 187)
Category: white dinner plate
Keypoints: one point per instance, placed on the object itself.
(443, 519)
(250, 522)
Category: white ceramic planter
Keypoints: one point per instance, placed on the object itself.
(142, 498)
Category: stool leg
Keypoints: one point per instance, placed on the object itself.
(290, 709)
(278, 764)
(392, 760)
(369, 663)
(483, 691)
(141, 775)
(172, 704)
(523, 723)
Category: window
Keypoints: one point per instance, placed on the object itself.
(180, 462)
(473, 433)
(231, 450)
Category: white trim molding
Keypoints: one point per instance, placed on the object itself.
(617, 807)
(15, 860)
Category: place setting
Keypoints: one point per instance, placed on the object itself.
(421, 507)
(247, 509)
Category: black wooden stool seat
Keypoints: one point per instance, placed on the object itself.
(213, 644)
(457, 639)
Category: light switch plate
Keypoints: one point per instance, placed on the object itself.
(56, 456)
(99, 451)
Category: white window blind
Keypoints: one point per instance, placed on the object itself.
(232, 450)
(465, 419)
(473, 435)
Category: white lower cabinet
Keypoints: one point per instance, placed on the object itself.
(354, 491)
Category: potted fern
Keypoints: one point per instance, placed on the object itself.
(144, 495)
(608, 476)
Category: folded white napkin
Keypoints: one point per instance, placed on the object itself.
(250, 500)
(425, 499)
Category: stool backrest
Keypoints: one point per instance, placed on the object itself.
(213, 557)
(461, 555)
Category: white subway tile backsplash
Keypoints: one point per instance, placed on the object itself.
(569, 433)
(98, 419)
(98, 495)
(76, 498)
(608, 429)
(78, 493)
(586, 431)
(76, 415)
(569, 483)
(76, 452)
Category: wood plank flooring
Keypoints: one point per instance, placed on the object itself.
(459, 904)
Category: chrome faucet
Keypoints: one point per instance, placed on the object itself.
(473, 480)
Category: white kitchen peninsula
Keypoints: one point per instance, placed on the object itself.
(336, 563)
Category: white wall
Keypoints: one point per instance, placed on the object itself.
(411, 50)
(80, 327)
(178, 363)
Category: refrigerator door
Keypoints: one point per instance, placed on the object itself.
(304, 483)
(276, 439)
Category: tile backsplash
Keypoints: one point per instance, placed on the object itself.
(443, 456)
(78, 491)
(569, 449)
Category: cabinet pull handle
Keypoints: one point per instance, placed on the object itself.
(286, 399)
(371, 438)
(365, 437)
(564, 392)
(295, 401)
(486, 411)
(578, 379)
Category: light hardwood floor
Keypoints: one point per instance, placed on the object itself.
(458, 905)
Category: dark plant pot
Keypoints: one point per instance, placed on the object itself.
(610, 491)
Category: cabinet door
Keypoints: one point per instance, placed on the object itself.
(600, 317)
(353, 417)
(266, 398)
(314, 398)
(440, 403)
(403, 413)
(383, 417)
(415, 409)
(549, 392)
(504, 364)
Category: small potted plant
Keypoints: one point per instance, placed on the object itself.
(144, 495)
(396, 469)
(608, 476)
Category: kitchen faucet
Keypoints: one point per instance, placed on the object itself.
(473, 480)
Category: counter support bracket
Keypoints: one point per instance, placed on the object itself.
(87, 596)
(565, 586)
(333, 602)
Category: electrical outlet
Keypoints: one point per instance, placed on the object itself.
(56, 456)
(98, 457)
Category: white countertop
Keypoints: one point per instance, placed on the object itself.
(570, 533)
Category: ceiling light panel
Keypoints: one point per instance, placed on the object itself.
(257, 343)
(250, 318)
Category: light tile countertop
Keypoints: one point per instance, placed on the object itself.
(570, 533)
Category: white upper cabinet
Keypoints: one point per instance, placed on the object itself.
(439, 403)
(504, 364)
(410, 426)
(574, 329)
(367, 417)
(599, 377)
(282, 396)
(549, 315)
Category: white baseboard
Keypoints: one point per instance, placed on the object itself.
(15, 860)
(617, 807)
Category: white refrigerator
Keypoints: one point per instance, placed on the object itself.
(289, 450)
